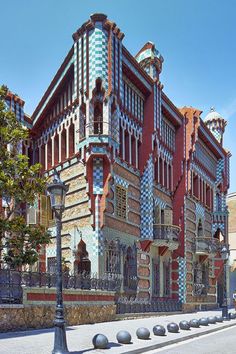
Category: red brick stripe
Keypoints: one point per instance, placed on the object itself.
(68, 297)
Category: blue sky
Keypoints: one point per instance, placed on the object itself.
(195, 37)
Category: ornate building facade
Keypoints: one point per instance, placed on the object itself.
(147, 181)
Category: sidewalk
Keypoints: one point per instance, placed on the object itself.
(79, 338)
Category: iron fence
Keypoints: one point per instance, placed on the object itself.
(125, 305)
(12, 283)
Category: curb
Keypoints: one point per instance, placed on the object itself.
(174, 341)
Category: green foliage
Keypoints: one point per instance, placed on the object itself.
(20, 184)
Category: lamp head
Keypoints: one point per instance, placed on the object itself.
(57, 191)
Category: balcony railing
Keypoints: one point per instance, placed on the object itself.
(166, 232)
(207, 245)
(99, 128)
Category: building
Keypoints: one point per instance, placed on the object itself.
(147, 181)
(231, 204)
(15, 104)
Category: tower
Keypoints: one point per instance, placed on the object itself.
(150, 59)
(216, 123)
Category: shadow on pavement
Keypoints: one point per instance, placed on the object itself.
(30, 332)
(110, 345)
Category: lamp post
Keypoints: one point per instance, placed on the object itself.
(57, 192)
(225, 255)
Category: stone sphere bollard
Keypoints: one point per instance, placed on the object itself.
(173, 327)
(143, 333)
(219, 318)
(203, 321)
(185, 325)
(212, 319)
(123, 337)
(159, 330)
(100, 341)
(194, 323)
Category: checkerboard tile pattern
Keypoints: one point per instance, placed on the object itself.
(98, 176)
(122, 182)
(219, 170)
(147, 201)
(217, 226)
(182, 279)
(200, 211)
(51, 252)
(159, 202)
(98, 56)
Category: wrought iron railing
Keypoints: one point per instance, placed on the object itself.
(133, 305)
(200, 289)
(166, 232)
(207, 245)
(98, 128)
(12, 283)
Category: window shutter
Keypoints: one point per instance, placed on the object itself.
(50, 216)
(31, 215)
(157, 215)
(168, 216)
(43, 211)
(121, 201)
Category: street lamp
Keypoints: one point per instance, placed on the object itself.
(57, 192)
(225, 255)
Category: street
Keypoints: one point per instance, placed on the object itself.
(79, 338)
(221, 342)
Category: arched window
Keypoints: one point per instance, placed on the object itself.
(63, 145)
(82, 262)
(49, 155)
(42, 161)
(56, 149)
(82, 122)
(72, 140)
(133, 151)
(98, 119)
(127, 147)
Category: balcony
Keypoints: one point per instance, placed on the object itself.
(166, 235)
(98, 129)
(206, 246)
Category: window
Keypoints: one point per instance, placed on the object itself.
(112, 256)
(156, 278)
(52, 264)
(200, 229)
(130, 269)
(166, 278)
(121, 201)
(46, 213)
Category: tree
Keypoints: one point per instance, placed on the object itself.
(20, 185)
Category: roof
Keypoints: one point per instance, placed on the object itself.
(212, 115)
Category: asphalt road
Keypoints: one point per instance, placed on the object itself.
(221, 342)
